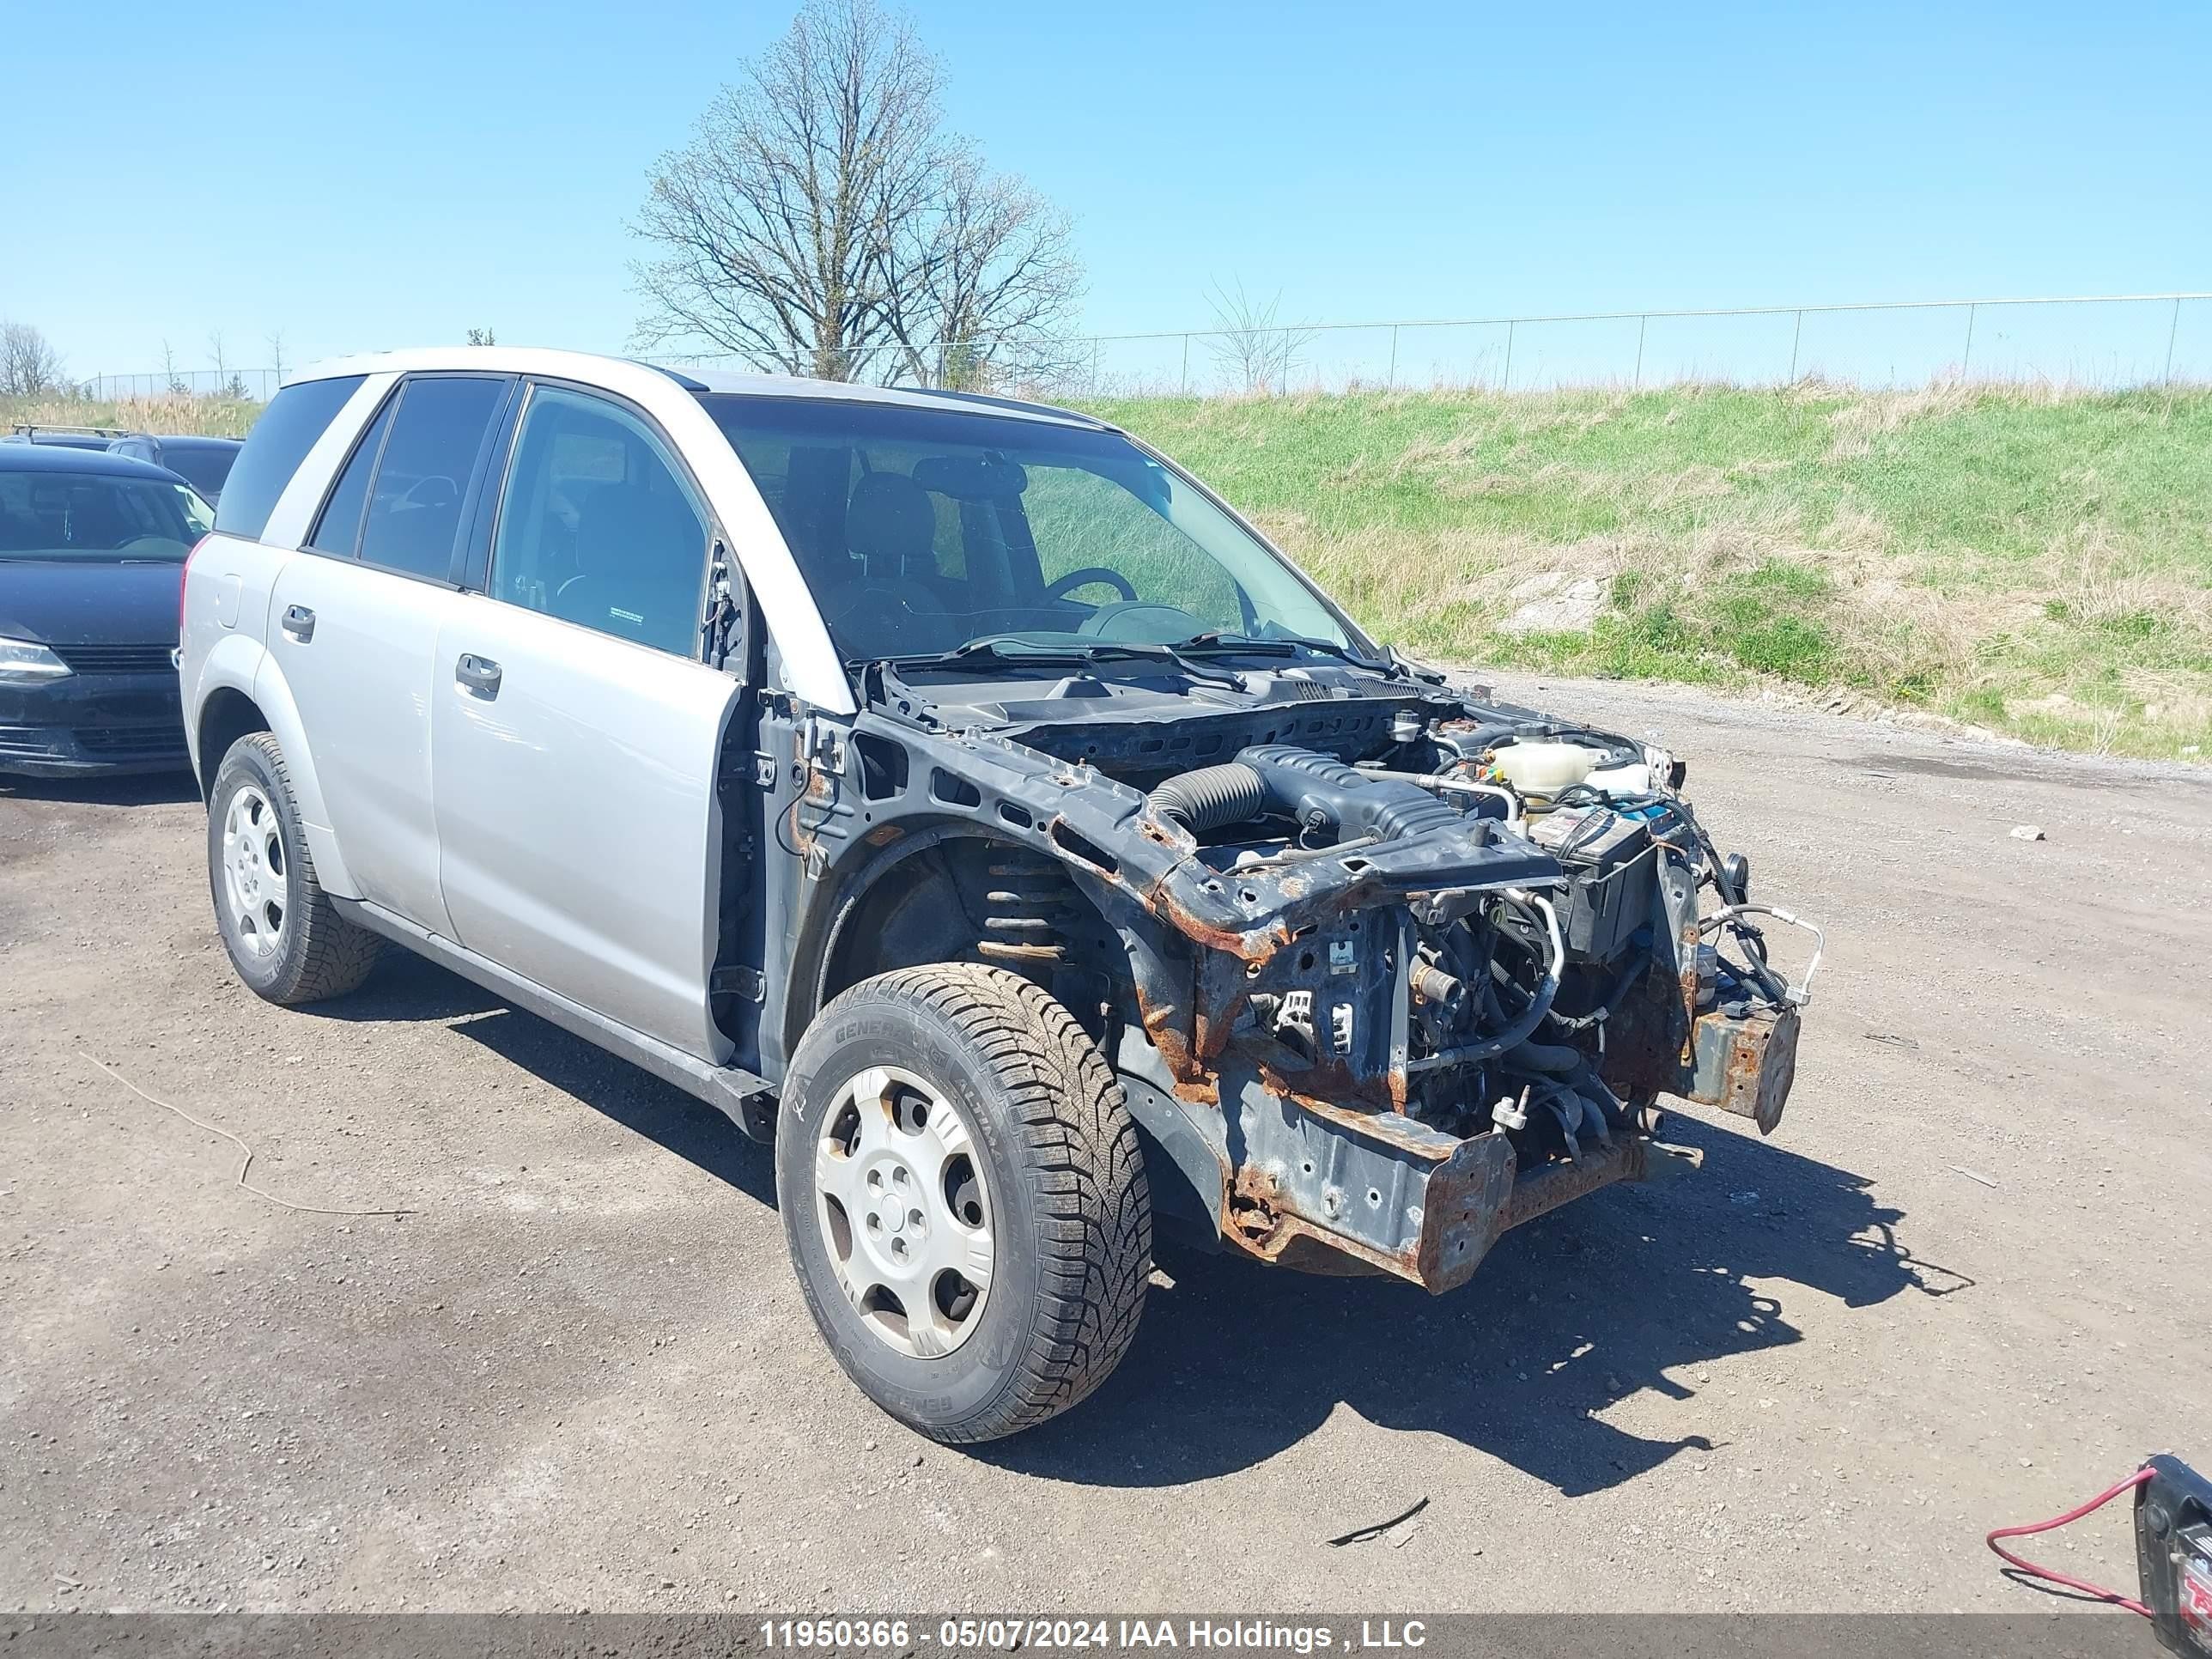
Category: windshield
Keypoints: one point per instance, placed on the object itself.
(84, 516)
(920, 530)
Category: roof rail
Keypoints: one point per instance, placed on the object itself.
(994, 402)
(28, 428)
(675, 374)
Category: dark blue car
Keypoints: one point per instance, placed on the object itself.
(92, 550)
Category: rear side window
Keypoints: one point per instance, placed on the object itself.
(415, 502)
(338, 529)
(280, 441)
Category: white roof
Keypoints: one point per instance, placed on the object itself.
(592, 370)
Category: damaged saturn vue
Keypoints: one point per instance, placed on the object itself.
(963, 797)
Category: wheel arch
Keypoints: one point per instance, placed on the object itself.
(863, 921)
(237, 697)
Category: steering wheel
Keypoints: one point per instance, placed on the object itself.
(910, 596)
(1092, 573)
(1141, 621)
(435, 490)
(150, 537)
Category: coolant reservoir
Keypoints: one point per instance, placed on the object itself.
(1545, 768)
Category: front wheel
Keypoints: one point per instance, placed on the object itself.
(963, 1197)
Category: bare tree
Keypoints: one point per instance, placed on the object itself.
(277, 353)
(177, 384)
(29, 365)
(982, 285)
(215, 353)
(1257, 351)
(821, 222)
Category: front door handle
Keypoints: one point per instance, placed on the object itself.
(299, 622)
(479, 676)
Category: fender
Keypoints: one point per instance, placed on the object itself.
(243, 664)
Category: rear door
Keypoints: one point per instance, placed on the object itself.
(576, 733)
(354, 624)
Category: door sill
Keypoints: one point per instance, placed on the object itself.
(736, 1093)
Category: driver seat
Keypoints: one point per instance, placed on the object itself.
(890, 527)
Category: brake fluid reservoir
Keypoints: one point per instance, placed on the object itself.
(1545, 768)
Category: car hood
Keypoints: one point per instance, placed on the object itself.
(58, 602)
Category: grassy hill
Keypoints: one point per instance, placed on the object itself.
(2035, 560)
(2032, 559)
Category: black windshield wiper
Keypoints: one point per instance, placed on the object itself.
(992, 649)
(1216, 639)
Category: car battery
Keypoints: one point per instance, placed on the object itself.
(1609, 900)
(2173, 1554)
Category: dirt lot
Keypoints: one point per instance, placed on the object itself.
(1959, 1287)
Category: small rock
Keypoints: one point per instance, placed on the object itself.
(2027, 832)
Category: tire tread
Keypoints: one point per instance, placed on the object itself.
(1094, 1237)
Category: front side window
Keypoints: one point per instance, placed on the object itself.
(415, 503)
(598, 526)
(921, 529)
(84, 517)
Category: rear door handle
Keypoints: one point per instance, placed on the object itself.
(299, 622)
(477, 675)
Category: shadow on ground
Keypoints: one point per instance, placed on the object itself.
(1570, 1314)
(1235, 1363)
(405, 987)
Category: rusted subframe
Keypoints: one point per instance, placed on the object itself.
(1260, 1228)
(1544, 1188)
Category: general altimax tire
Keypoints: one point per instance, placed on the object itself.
(287, 940)
(1069, 1217)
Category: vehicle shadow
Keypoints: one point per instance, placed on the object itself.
(1633, 1288)
(132, 789)
(1627, 1290)
(405, 987)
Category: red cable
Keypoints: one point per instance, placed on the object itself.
(2072, 1515)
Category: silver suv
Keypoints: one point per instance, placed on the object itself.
(960, 796)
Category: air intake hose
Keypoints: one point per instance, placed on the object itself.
(1319, 791)
(1212, 798)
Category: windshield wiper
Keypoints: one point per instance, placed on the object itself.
(1216, 639)
(992, 648)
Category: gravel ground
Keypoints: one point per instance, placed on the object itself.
(1953, 1291)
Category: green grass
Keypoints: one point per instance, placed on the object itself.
(2035, 560)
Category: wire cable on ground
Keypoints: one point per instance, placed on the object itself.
(2057, 1521)
(247, 1162)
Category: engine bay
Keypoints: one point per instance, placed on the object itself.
(1384, 967)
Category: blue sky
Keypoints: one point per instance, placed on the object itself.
(365, 176)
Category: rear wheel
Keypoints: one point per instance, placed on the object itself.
(963, 1197)
(285, 938)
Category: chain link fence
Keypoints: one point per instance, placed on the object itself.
(2108, 341)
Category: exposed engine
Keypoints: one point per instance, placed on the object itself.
(1383, 969)
(1553, 1008)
